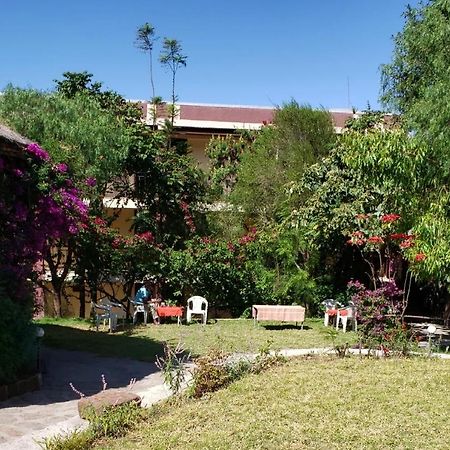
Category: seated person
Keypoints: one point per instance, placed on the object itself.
(143, 294)
(144, 297)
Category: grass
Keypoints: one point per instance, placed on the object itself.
(145, 342)
(317, 403)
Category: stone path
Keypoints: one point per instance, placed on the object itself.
(29, 418)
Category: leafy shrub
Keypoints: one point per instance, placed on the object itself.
(76, 440)
(218, 369)
(210, 374)
(173, 366)
(114, 421)
(220, 271)
(18, 346)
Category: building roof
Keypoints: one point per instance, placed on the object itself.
(12, 143)
(231, 117)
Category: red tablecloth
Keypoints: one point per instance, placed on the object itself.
(170, 311)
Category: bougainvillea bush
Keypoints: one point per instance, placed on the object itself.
(38, 203)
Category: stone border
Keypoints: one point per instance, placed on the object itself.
(29, 384)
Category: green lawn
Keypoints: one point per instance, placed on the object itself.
(311, 403)
(144, 342)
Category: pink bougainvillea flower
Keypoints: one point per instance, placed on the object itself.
(420, 257)
(62, 168)
(37, 151)
(389, 218)
(90, 181)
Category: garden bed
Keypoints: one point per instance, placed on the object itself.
(22, 386)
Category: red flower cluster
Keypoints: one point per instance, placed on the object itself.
(249, 237)
(100, 222)
(389, 218)
(375, 240)
(117, 242)
(147, 237)
(420, 257)
(407, 243)
(357, 238)
(230, 246)
(188, 219)
(397, 236)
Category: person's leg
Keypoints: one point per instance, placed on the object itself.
(155, 316)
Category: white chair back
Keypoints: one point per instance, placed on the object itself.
(197, 305)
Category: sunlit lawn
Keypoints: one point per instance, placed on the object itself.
(143, 342)
(317, 403)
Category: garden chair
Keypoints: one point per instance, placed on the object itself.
(331, 310)
(347, 314)
(139, 308)
(104, 313)
(197, 305)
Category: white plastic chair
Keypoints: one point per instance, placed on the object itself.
(139, 308)
(330, 310)
(197, 305)
(103, 312)
(346, 314)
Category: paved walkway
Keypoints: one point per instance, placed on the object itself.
(26, 419)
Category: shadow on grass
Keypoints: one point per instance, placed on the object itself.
(123, 345)
(286, 327)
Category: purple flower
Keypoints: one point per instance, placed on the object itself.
(90, 181)
(62, 168)
(18, 173)
(73, 229)
(37, 151)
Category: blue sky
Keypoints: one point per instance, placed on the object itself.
(239, 52)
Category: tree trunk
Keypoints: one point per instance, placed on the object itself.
(82, 313)
(57, 301)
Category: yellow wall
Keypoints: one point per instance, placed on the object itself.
(197, 145)
(124, 221)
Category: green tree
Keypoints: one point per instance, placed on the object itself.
(225, 153)
(145, 40)
(172, 57)
(298, 137)
(416, 84)
(79, 133)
